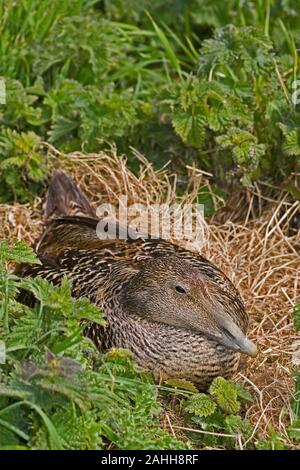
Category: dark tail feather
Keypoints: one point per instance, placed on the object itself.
(65, 198)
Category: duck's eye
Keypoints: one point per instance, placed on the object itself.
(180, 289)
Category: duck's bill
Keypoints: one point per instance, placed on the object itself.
(232, 337)
(241, 344)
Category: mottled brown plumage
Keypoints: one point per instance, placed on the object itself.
(177, 312)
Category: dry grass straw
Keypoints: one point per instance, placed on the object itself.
(256, 254)
(263, 262)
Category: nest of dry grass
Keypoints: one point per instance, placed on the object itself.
(256, 253)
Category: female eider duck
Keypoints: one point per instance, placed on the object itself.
(178, 314)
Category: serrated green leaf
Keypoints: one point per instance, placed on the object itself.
(225, 395)
(242, 393)
(236, 425)
(18, 252)
(190, 126)
(200, 405)
(182, 384)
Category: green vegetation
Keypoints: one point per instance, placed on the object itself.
(217, 413)
(209, 84)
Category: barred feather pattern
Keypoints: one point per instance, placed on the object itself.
(102, 272)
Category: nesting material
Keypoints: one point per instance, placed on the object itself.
(255, 252)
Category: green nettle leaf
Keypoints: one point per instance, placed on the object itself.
(62, 127)
(182, 384)
(243, 49)
(242, 393)
(19, 252)
(200, 404)
(244, 145)
(22, 164)
(54, 297)
(275, 441)
(190, 126)
(24, 333)
(245, 148)
(8, 289)
(77, 431)
(83, 309)
(88, 112)
(21, 104)
(59, 298)
(225, 395)
(236, 425)
(291, 143)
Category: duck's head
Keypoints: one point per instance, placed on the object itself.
(173, 291)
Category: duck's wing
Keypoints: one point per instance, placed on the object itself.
(69, 218)
(70, 221)
(71, 224)
(64, 198)
(70, 245)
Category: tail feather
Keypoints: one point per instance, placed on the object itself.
(65, 198)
